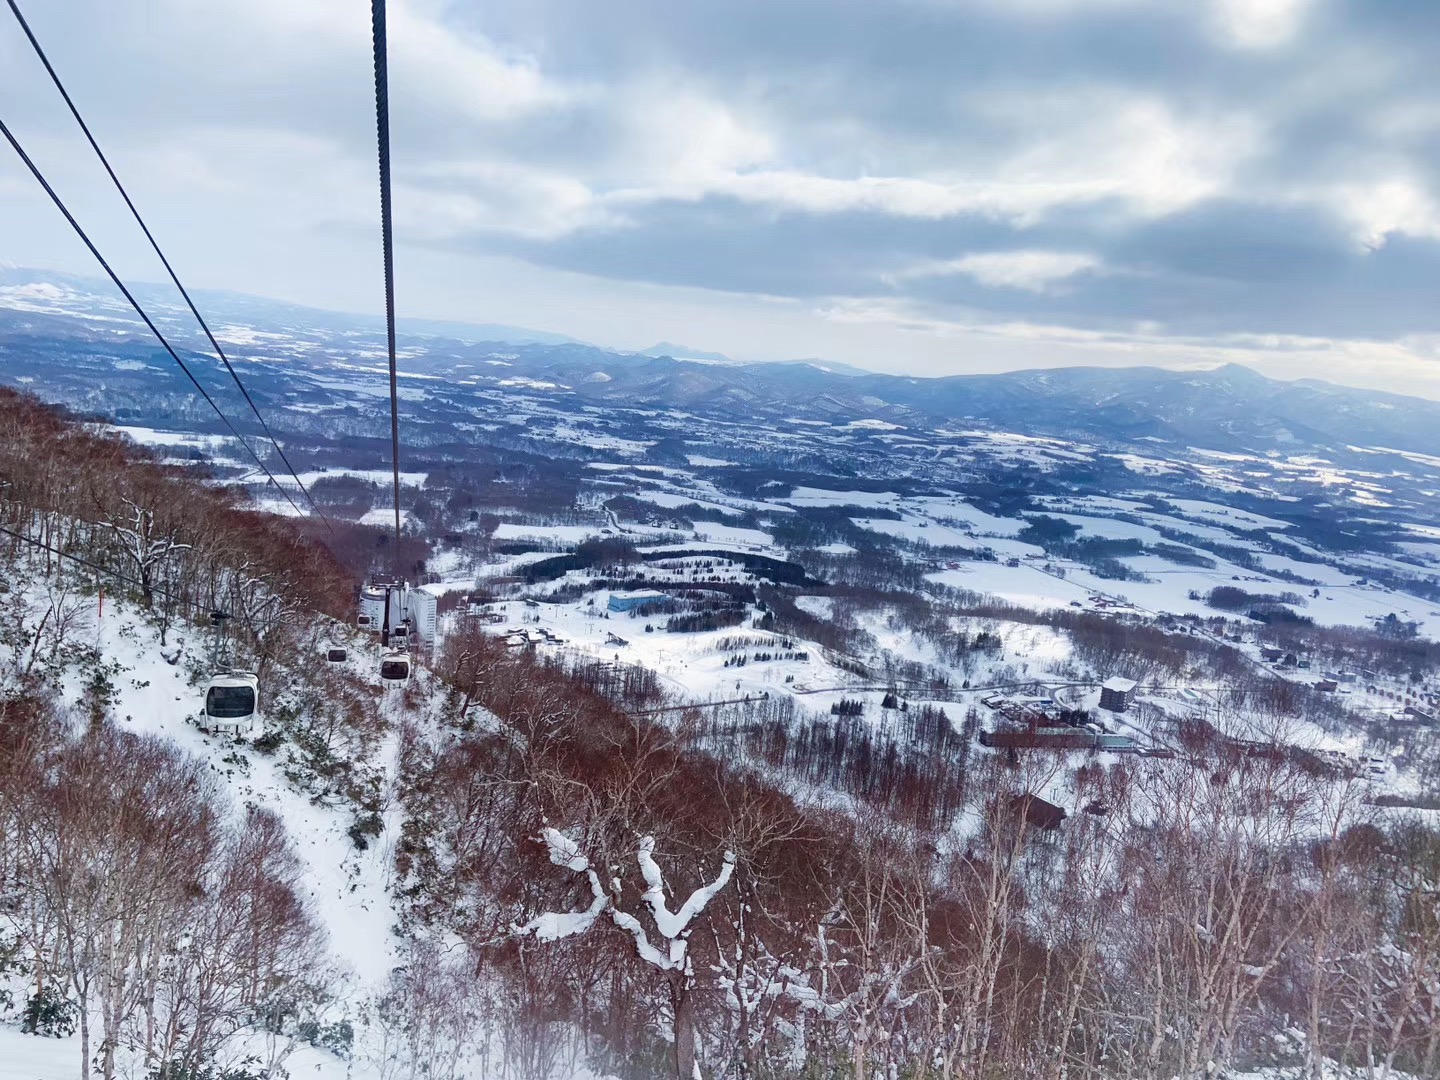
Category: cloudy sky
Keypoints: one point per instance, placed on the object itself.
(926, 186)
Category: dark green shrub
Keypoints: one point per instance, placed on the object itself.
(363, 828)
(50, 1014)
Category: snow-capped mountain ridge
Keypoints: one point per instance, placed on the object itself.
(48, 322)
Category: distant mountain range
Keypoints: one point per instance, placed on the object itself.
(49, 322)
(684, 352)
(222, 306)
(1228, 408)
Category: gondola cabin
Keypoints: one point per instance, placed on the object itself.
(336, 655)
(231, 702)
(395, 669)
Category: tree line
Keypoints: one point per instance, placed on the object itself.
(1185, 917)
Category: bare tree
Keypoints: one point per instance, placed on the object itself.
(112, 845)
(146, 540)
(669, 955)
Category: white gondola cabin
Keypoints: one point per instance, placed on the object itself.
(336, 654)
(395, 668)
(232, 701)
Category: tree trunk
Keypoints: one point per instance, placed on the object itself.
(684, 1008)
(84, 1003)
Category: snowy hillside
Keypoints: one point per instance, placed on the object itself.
(731, 758)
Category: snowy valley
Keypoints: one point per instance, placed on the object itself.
(780, 723)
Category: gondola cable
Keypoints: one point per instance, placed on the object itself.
(231, 696)
(395, 667)
(89, 564)
(382, 134)
(119, 284)
(154, 244)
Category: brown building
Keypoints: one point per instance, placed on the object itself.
(1037, 812)
(1115, 694)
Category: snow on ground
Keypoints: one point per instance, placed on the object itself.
(523, 382)
(672, 499)
(501, 567)
(946, 509)
(622, 466)
(691, 664)
(871, 425)
(1082, 503)
(565, 534)
(1111, 528)
(1432, 531)
(819, 606)
(1026, 584)
(385, 516)
(918, 530)
(1190, 531)
(274, 504)
(808, 496)
(346, 888)
(597, 440)
(754, 539)
(948, 521)
(1313, 571)
(374, 476)
(147, 436)
(26, 1057)
(1147, 466)
(1226, 515)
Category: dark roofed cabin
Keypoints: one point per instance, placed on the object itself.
(1037, 812)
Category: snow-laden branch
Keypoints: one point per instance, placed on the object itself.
(672, 927)
(140, 540)
(554, 925)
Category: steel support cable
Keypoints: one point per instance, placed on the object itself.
(114, 277)
(97, 567)
(382, 134)
(154, 244)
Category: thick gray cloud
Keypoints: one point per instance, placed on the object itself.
(928, 185)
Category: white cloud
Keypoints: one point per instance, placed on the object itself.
(1259, 24)
(1042, 8)
(1086, 147)
(500, 197)
(1379, 209)
(1102, 142)
(672, 137)
(1035, 271)
(1135, 151)
(433, 60)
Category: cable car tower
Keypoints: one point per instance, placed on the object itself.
(401, 617)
